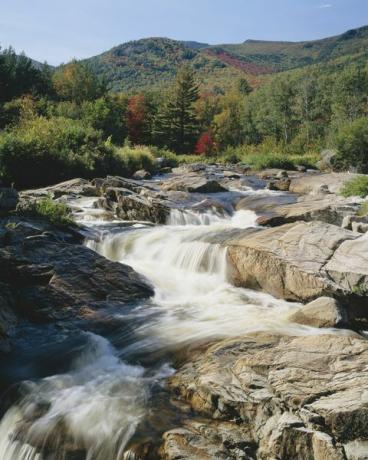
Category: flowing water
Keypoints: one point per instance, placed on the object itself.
(112, 392)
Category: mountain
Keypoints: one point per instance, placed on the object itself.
(153, 62)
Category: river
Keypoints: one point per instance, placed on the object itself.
(111, 394)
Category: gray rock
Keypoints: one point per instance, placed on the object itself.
(326, 162)
(315, 182)
(297, 397)
(322, 312)
(281, 184)
(282, 175)
(331, 209)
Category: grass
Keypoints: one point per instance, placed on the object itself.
(47, 209)
(356, 187)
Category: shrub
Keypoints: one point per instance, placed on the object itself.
(356, 187)
(43, 151)
(128, 160)
(352, 146)
(55, 213)
(260, 161)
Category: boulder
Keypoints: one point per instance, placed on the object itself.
(303, 261)
(322, 312)
(8, 199)
(193, 184)
(72, 187)
(297, 397)
(50, 277)
(136, 207)
(142, 174)
(316, 183)
(280, 184)
(327, 208)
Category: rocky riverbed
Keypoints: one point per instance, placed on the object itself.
(207, 313)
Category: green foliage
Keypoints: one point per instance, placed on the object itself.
(352, 145)
(77, 82)
(43, 151)
(46, 208)
(356, 187)
(128, 160)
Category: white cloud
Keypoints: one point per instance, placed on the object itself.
(325, 5)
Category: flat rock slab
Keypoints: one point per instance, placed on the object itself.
(316, 183)
(302, 261)
(327, 208)
(298, 397)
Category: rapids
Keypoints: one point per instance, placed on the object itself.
(113, 391)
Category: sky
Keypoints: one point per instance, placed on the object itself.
(57, 31)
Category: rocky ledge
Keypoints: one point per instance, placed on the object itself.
(46, 275)
(268, 396)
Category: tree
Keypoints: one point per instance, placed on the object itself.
(180, 118)
(205, 144)
(352, 146)
(76, 82)
(244, 87)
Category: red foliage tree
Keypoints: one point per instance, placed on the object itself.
(136, 118)
(205, 144)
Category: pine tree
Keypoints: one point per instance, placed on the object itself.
(181, 122)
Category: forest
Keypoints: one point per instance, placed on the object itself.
(60, 123)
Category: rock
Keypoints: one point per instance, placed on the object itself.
(142, 174)
(50, 277)
(282, 185)
(8, 199)
(207, 440)
(326, 162)
(297, 397)
(303, 261)
(166, 170)
(136, 207)
(73, 187)
(231, 175)
(348, 265)
(315, 182)
(193, 184)
(300, 168)
(360, 227)
(330, 209)
(190, 168)
(282, 175)
(355, 223)
(322, 312)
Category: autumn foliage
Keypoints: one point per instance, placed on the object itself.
(205, 144)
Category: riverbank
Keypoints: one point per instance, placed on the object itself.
(206, 313)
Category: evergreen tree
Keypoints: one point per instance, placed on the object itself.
(180, 120)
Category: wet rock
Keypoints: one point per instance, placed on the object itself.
(142, 174)
(193, 184)
(51, 278)
(303, 261)
(8, 199)
(322, 312)
(298, 397)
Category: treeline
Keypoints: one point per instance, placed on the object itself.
(56, 124)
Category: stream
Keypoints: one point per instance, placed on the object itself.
(109, 393)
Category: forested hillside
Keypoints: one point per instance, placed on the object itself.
(161, 98)
(152, 62)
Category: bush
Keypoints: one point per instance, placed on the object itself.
(43, 151)
(356, 187)
(260, 161)
(363, 210)
(128, 160)
(55, 213)
(352, 146)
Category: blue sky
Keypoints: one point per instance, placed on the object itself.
(57, 31)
